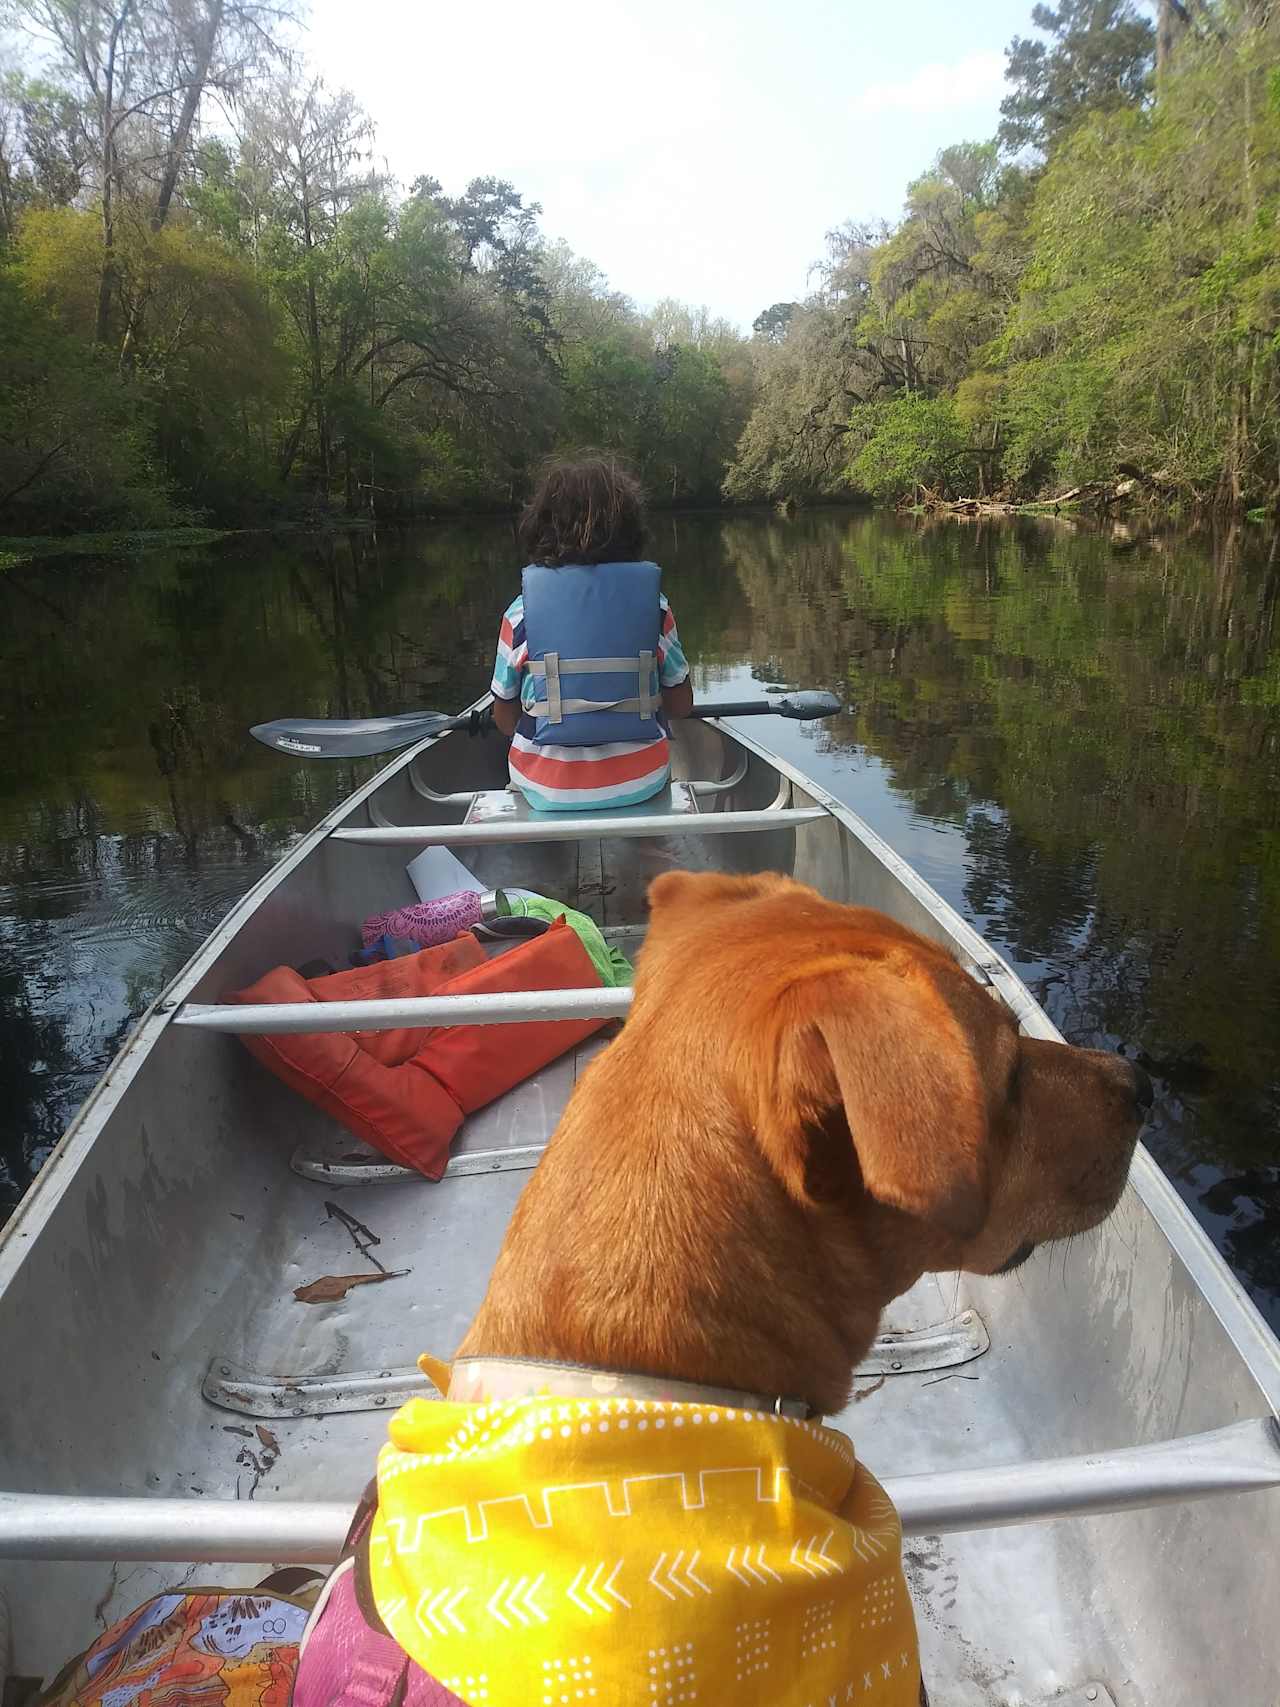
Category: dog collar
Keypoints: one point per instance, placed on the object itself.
(483, 1379)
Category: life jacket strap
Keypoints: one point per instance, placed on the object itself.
(544, 707)
(647, 703)
(589, 666)
(554, 710)
(555, 706)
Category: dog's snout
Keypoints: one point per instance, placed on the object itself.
(1143, 1091)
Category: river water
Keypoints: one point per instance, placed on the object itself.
(1074, 737)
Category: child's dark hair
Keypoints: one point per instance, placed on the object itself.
(584, 509)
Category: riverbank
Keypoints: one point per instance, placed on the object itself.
(126, 542)
(132, 542)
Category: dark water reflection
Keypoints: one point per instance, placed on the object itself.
(1075, 739)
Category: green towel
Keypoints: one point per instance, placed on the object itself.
(613, 966)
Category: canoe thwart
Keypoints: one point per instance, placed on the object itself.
(574, 827)
(509, 1007)
(1242, 1458)
(234, 1387)
(250, 1532)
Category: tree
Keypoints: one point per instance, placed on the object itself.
(772, 322)
(73, 433)
(929, 303)
(1099, 56)
(498, 236)
(308, 154)
(582, 303)
(692, 403)
(139, 70)
(793, 442)
(609, 391)
(1149, 314)
(44, 152)
(909, 442)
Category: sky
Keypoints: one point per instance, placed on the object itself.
(699, 150)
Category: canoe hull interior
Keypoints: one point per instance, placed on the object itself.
(166, 1240)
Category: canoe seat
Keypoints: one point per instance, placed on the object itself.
(509, 806)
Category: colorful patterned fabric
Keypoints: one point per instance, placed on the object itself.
(347, 1662)
(555, 778)
(216, 1648)
(428, 923)
(611, 1551)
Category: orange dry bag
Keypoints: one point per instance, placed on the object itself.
(405, 1092)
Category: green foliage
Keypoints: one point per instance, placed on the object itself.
(1115, 307)
(907, 442)
(1150, 306)
(793, 442)
(268, 326)
(74, 440)
(43, 148)
(255, 328)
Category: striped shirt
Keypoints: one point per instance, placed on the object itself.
(575, 778)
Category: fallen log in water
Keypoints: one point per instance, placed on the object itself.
(1129, 482)
(978, 507)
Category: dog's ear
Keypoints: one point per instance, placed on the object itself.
(875, 1045)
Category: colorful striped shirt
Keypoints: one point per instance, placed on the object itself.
(559, 779)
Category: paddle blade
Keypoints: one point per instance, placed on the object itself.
(808, 705)
(349, 738)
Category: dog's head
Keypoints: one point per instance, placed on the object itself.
(876, 1075)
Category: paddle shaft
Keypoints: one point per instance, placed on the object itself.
(363, 737)
(745, 708)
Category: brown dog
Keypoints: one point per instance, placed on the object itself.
(810, 1106)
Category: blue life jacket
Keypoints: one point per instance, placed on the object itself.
(592, 634)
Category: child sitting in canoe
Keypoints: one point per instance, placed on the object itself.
(589, 666)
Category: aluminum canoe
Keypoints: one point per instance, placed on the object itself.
(1085, 1455)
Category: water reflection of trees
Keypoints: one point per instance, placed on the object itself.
(33, 1047)
(133, 807)
(1104, 722)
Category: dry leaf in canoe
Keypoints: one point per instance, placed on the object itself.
(331, 1287)
(268, 1439)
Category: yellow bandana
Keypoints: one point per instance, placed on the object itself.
(544, 1552)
